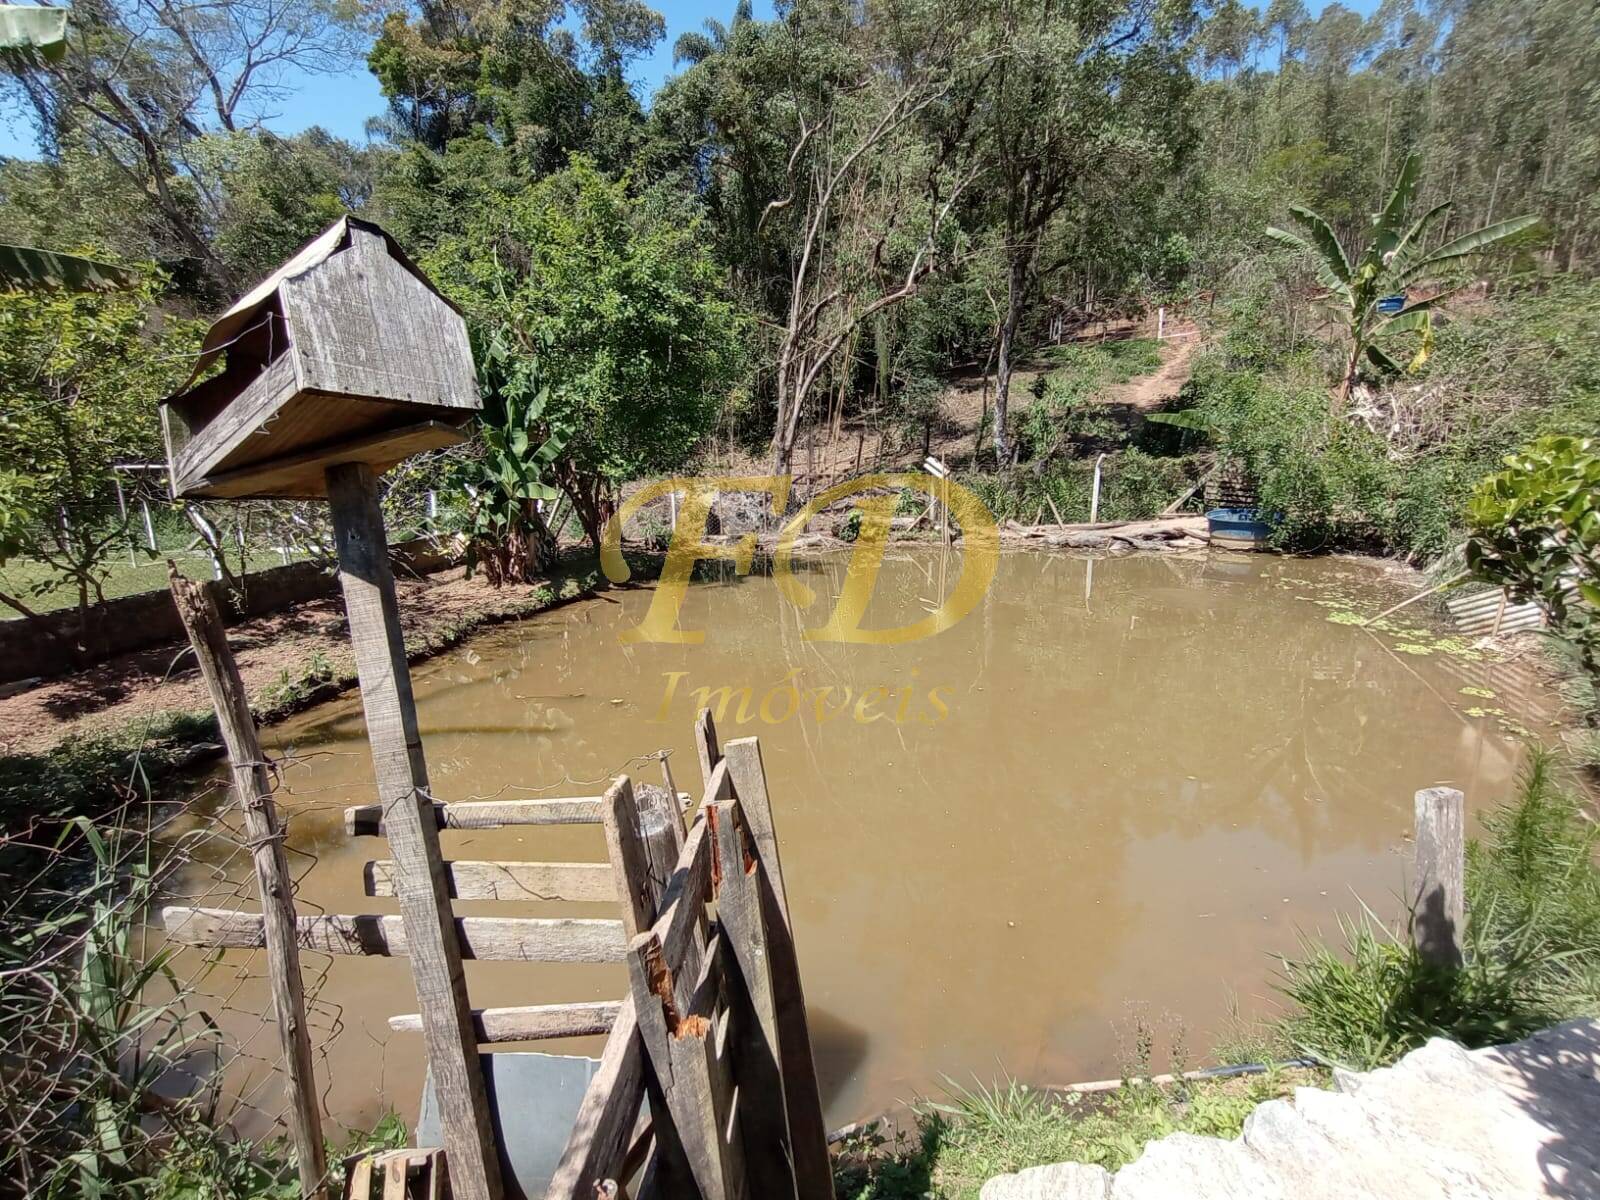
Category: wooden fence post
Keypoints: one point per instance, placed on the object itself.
(705, 744)
(763, 1111)
(812, 1169)
(252, 787)
(644, 836)
(412, 829)
(1439, 917)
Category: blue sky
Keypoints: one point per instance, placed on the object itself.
(341, 104)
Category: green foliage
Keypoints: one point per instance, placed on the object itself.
(1536, 530)
(1328, 482)
(1066, 411)
(1532, 945)
(983, 1131)
(280, 192)
(1394, 258)
(80, 376)
(509, 476)
(619, 299)
(104, 1031)
(1134, 486)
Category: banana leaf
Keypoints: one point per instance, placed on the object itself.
(1412, 244)
(28, 29)
(1192, 421)
(1468, 245)
(1385, 235)
(1382, 361)
(24, 268)
(1326, 274)
(1327, 242)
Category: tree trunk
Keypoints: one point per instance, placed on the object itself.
(1351, 367)
(591, 501)
(1016, 286)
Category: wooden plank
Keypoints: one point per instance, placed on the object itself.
(366, 820)
(252, 788)
(802, 1095)
(644, 837)
(431, 933)
(301, 474)
(358, 1177)
(705, 744)
(529, 1022)
(763, 1114)
(487, 939)
(695, 1085)
(606, 1118)
(638, 891)
(750, 785)
(605, 1121)
(579, 882)
(1438, 923)
(364, 325)
(235, 424)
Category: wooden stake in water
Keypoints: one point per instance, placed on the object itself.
(411, 826)
(252, 787)
(1439, 918)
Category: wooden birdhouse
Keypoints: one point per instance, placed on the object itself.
(345, 354)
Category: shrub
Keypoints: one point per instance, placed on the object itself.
(1536, 530)
(1134, 486)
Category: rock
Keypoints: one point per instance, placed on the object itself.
(1059, 1181)
(1443, 1123)
(1182, 1166)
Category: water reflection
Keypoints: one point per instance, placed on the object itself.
(1153, 772)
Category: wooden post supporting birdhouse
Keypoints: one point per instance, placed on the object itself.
(340, 365)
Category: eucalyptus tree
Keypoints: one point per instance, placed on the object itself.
(1080, 91)
(1395, 257)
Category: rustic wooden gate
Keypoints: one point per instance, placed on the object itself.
(707, 1086)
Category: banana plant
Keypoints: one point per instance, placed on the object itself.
(506, 534)
(1394, 258)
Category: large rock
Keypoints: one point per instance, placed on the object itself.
(1059, 1181)
(1506, 1123)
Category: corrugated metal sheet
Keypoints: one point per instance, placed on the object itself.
(1492, 611)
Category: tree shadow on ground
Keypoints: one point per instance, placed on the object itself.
(1554, 1076)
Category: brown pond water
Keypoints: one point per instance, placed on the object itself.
(1149, 774)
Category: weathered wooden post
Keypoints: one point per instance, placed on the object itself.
(1438, 923)
(335, 368)
(252, 787)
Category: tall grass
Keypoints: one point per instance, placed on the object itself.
(1532, 945)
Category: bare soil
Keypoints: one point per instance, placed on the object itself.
(287, 659)
(824, 454)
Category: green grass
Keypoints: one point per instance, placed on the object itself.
(1532, 945)
(1109, 361)
(23, 578)
(975, 1134)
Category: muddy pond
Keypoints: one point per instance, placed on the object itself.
(1110, 794)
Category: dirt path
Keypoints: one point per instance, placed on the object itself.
(823, 457)
(1150, 392)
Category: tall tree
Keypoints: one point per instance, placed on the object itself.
(142, 80)
(1080, 88)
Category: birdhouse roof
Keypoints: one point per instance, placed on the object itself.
(315, 252)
